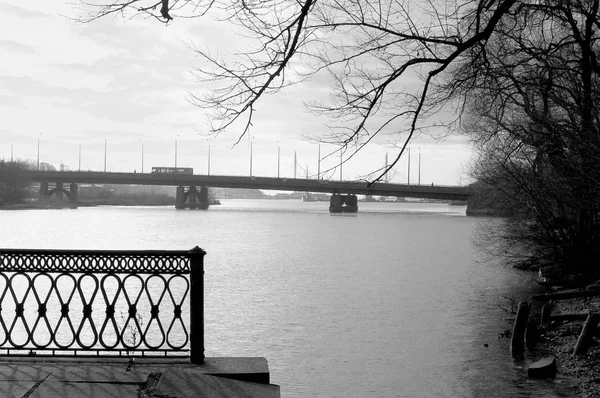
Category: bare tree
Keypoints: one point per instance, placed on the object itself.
(521, 77)
(536, 124)
(386, 59)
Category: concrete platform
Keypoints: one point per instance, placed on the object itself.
(101, 377)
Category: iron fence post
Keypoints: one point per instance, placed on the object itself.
(197, 305)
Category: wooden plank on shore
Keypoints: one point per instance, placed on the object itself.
(546, 312)
(517, 342)
(567, 316)
(587, 332)
(570, 316)
(569, 294)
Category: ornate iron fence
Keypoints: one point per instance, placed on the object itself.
(102, 303)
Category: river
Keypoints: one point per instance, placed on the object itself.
(390, 302)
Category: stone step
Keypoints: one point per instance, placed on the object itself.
(193, 383)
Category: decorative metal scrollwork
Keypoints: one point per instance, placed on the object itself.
(101, 303)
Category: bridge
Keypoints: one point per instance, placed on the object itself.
(192, 189)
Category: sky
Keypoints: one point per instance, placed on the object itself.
(122, 87)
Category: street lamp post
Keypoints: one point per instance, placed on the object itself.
(38, 153)
(208, 159)
(386, 178)
(250, 158)
(341, 163)
(142, 155)
(319, 164)
(79, 165)
(419, 166)
(175, 152)
(105, 154)
(278, 158)
(408, 166)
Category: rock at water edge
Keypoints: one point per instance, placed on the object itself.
(545, 368)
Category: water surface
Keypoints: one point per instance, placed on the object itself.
(389, 302)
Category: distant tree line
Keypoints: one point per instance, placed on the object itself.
(13, 182)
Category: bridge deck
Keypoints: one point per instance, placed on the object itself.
(268, 183)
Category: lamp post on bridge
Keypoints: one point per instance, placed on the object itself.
(79, 164)
(250, 157)
(341, 163)
(319, 163)
(208, 159)
(142, 141)
(38, 152)
(408, 166)
(278, 158)
(386, 178)
(419, 166)
(176, 151)
(105, 154)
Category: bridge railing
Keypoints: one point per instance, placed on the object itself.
(102, 303)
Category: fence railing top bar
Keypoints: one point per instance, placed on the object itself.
(80, 252)
(100, 261)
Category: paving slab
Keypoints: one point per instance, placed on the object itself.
(189, 383)
(15, 388)
(81, 389)
(99, 373)
(102, 377)
(24, 371)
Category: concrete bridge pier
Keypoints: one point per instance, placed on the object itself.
(74, 193)
(339, 203)
(43, 191)
(180, 197)
(59, 191)
(191, 198)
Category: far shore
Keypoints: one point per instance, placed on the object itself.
(114, 201)
(86, 203)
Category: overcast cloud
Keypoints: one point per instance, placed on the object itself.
(128, 83)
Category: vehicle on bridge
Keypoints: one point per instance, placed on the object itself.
(173, 170)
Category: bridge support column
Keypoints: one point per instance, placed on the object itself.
(343, 203)
(180, 198)
(59, 191)
(73, 193)
(203, 198)
(43, 191)
(192, 198)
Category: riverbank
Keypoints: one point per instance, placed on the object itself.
(116, 201)
(36, 206)
(558, 338)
